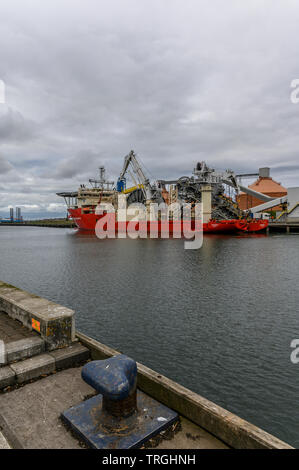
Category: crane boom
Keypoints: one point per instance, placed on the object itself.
(269, 205)
(144, 182)
(250, 192)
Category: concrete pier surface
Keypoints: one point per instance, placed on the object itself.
(40, 377)
(38, 426)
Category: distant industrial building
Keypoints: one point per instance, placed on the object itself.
(18, 214)
(13, 219)
(265, 185)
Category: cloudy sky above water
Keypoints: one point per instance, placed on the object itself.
(178, 81)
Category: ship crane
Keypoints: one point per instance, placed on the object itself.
(149, 191)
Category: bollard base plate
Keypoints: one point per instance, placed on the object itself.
(101, 431)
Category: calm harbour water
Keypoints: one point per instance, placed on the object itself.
(218, 320)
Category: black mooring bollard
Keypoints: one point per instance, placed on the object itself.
(120, 417)
(116, 380)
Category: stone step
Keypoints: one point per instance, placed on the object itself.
(70, 356)
(22, 349)
(33, 368)
(42, 364)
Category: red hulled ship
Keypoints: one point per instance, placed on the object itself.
(221, 212)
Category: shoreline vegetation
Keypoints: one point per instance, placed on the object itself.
(59, 223)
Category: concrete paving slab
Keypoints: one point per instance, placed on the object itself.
(33, 367)
(190, 436)
(70, 356)
(32, 414)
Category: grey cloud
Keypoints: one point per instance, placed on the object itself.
(78, 165)
(176, 81)
(14, 127)
(5, 166)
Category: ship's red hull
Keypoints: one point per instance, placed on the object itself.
(88, 221)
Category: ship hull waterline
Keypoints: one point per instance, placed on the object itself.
(88, 221)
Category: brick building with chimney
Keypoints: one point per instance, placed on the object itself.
(265, 185)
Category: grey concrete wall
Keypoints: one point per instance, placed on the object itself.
(55, 323)
(293, 199)
(228, 427)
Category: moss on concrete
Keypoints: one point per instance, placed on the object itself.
(5, 285)
(8, 286)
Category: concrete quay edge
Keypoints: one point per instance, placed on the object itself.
(55, 323)
(226, 426)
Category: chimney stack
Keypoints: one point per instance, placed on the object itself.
(264, 172)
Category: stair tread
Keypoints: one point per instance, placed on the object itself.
(42, 364)
(22, 349)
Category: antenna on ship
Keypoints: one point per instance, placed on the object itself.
(102, 176)
(101, 183)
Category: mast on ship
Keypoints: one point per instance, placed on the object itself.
(102, 183)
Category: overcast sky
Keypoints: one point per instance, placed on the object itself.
(176, 80)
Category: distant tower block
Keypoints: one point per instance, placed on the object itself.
(18, 213)
(11, 213)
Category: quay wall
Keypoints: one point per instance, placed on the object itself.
(56, 325)
(231, 429)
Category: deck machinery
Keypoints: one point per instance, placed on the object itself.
(206, 185)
